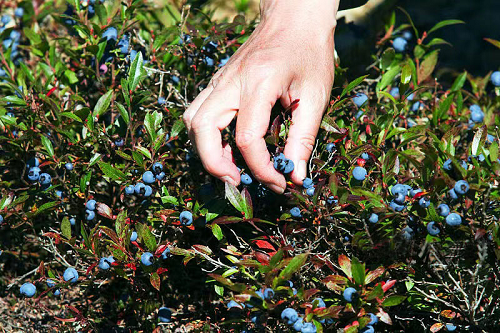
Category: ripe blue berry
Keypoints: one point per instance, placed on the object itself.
(246, 179)
(350, 294)
(123, 44)
(72, 221)
(399, 188)
(70, 275)
(329, 147)
(68, 166)
(90, 205)
(461, 187)
(321, 303)
(160, 176)
(452, 194)
(295, 212)
(110, 34)
(232, 304)
(299, 323)
(289, 166)
(359, 173)
(447, 165)
(148, 191)
(495, 78)
(416, 106)
(28, 289)
(186, 218)
(148, 177)
(57, 292)
(453, 219)
(147, 258)
(164, 314)
(165, 254)
(365, 156)
(104, 264)
(397, 207)
(450, 327)
(399, 44)
(413, 192)
(45, 179)
(32, 162)
(476, 114)
(290, 315)
(408, 36)
(307, 182)
(268, 293)
(331, 200)
(310, 191)
(360, 99)
(133, 236)
(373, 319)
(408, 233)
(443, 210)
(424, 202)
(89, 215)
(140, 188)
(129, 190)
(308, 328)
(34, 174)
(432, 229)
(399, 198)
(368, 329)
(51, 283)
(157, 168)
(373, 218)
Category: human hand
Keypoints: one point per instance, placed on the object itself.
(289, 56)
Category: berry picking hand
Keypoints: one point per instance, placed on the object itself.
(289, 56)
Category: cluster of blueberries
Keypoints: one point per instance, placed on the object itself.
(28, 289)
(401, 43)
(209, 50)
(14, 38)
(149, 177)
(35, 173)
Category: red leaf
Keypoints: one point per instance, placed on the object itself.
(384, 316)
(104, 210)
(160, 249)
(91, 267)
(262, 244)
(388, 285)
(345, 265)
(263, 258)
(436, 327)
(448, 314)
(161, 270)
(155, 280)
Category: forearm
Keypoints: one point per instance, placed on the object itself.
(320, 13)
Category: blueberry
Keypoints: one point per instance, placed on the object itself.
(450, 327)
(359, 173)
(71, 275)
(246, 179)
(397, 207)
(147, 258)
(210, 62)
(310, 191)
(129, 190)
(34, 174)
(407, 35)
(254, 317)
(350, 294)
(308, 328)
(461, 187)
(490, 138)
(331, 200)
(279, 162)
(68, 166)
(165, 254)
(157, 168)
(432, 229)
(57, 292)
(123, 44)
(162, 100)
(365, 156)
(295, 212)
(119, 142)
(408, 233)
(394, 92)
(90, 205)
(186, 218)
(321, 303)
(373, 319)
(90, 215)
(476, 114)
(268, 293)
(140, 188)
(133, 236)
(358, 114)
(148, 191)
(104, 264)
(289, 166)
(495, 78)
(399, 188)
(28, 289)
(232, 304)
(160, 176)
(424, 202)
(413, 192)
(297, 326)
(416, 106)
(32, 162)
(5, 19)
(72, 221)
(307, 182)
(443, 210)
(51, 283)
(110, 34)
(368, 329)
(224, 60)
(360, 99)
(399, 44)
(447, 165)
(329, 147)
(453, 220)
(45, 179)
(1, 219)
(19, 12)
(399, 198)
(148, 177)
(373, 218)
(164, 314)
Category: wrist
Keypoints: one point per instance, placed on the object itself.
(302, 12)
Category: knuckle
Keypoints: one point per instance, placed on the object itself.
(186, 118)
(307, 141)
(245, 138)
(199, 123)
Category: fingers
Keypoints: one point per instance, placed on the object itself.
(251, 127)
(213, 115)
(306, 120)
(195, 105)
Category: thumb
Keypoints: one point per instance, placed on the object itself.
(306, 119)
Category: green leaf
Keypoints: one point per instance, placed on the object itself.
(71, 115)
(234, 197)
(393, 300)
(427, 66)
(406, 74)
(14, 100)
(352, 85)
(120, 223)
(443, 108)
(217, 231)
(459, 82)
(147, 237)
(387, 58)
(248, 209)
(110, 171)
(177, 128)
(32, 36)
(66, 227)
(377, 292)
(136, 72)
(493, 41)
(388, 77)
(154, 278)
(123, 113)
(47, 144)
(152, 122)
(293, 266)
(494, 151)
(358, 271)
(71, 76)
(441, 24)
(102, 104)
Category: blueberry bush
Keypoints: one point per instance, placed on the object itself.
(110, 223)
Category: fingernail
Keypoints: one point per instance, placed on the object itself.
(227, 179)
(302, 169)
(277, 189)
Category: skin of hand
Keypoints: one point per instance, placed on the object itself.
(289, 56)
